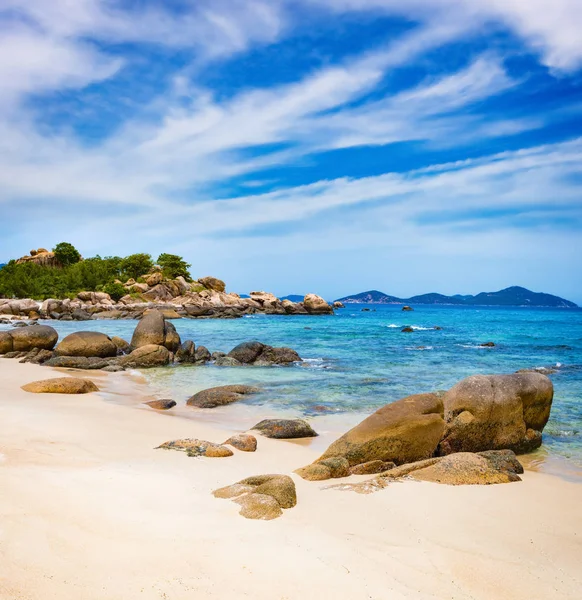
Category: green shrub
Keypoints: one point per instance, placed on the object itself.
(136, 265)
(115, 290)
(66, 254)
(174, 266)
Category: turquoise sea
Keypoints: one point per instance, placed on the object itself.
(357, 361)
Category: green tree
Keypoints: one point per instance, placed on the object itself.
(174, 266)
(115, 290)
(136, 265)
(66, 254)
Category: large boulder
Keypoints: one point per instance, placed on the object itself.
(494, 412)
(212, 283)
(34, 336)
(145, 357)
(6, 342)
(154, 329)
(247, 352)
(316, 305)
(61, 385)
(221, 396)
(404, 431)
(87, 343)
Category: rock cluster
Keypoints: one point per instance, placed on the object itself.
(478, 415)
(262, 496)
(176, 298)
(41, 256)
(155, 343)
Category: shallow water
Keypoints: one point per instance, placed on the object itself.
(357, 361)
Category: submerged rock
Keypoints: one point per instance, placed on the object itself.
(257, 353)
(407, 308)
(61, 385)
(221, 396)
(282, 429)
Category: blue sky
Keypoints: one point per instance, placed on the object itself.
(332, 146)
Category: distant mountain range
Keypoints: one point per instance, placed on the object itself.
(511, 296)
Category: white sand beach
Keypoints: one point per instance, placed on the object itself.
(90, 511)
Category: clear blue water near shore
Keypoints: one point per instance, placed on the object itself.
(357, 361)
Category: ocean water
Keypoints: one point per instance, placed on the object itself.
(357, 361)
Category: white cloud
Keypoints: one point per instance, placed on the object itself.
(550, 27)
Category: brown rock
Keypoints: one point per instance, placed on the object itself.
(88, 344)
(221, 396)
(259, 506)
(162, 404)
(196, 447)
(34, 336)
(153, 329)
(285, 428)
(316, 305)
(314, 472)
(232, 491)
(371, 467)
(61, 385)
(212, 283)
(145, 357)
(404, 431)
(407, 329)
(464, 468)
(121, 345)
(407, 308)
(243, 442)
(337, 465)
(495, 412)
(280, 487)
(6, 342)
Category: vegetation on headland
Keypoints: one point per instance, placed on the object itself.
(70, 274)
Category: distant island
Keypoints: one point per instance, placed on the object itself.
(511, 296)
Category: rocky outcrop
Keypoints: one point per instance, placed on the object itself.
(404, 431)
(284, 429)
(80, 362)
(257, 353)
(494, 412)
(41, 256)
(261, 496)
(24, 339)
(154, 329)
(212, 283)
(61, 385)
(316, 305)
(221, 396)
(88, 344)
(195, 447)
(176, 298)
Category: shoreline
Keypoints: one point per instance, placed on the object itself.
(90, 510)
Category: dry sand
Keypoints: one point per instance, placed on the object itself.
(89, 511)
